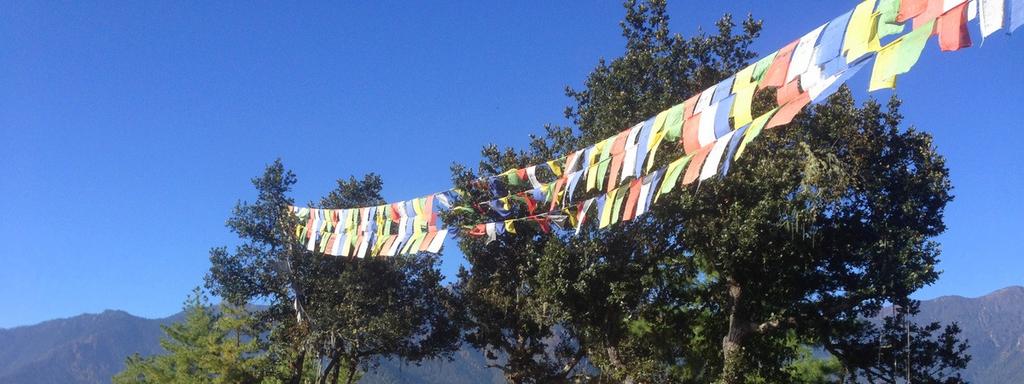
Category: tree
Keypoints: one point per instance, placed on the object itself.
(343, 313)
(820, 224)
(221, 345)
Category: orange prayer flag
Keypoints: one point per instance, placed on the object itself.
(911, 8)
(634, 193)
(932, 10)
(689, 105)
(788, 92)
(776, 74)
(693, 170)
(952, 29)
(618, 153)
(787, 112)
(691, 142)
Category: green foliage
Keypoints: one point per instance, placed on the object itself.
(207, 347)
(819, 225)
(808, 369)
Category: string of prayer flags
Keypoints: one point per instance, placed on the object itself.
(713, 127)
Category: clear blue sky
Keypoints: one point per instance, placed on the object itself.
(129, 130)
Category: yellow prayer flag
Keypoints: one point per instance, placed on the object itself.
(607, 208)
(659, 123)
(755, 129)
(655, 143)
(555, 168)
(743, 79)
(510, 226)
(881, 74)
(861, 34)
(741, 113)
(672, 172)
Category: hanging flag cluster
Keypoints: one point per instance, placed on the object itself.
(713, 128)
(392, 229)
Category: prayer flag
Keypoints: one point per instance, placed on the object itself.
(888, 13)
(755, 129)
(629, 157)
(741, 106)
(722, 116)
(722, 90)
(642, 146)
(691, 135)
(788, 92)
(900, 56)
(629, 210)
(952, 28)
(911, 8)
(761, 67)
(693, 170)
(1016, 15)
(743, 79)
(715, 157)
(802, 54)
(860, 36)
(672, 172)
(787, 112)
(828, 86)
(706, 131)
(704, 101)
(831, 42)
(674, 122)
(992, 15)
(775, 76)
(734, 143)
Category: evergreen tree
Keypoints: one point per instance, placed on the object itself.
(221, 345)
(820, 224)
(341, 314)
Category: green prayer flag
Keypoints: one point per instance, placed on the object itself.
(887, 11)
(620, 195)
(910, 47)
(762, 66)
(755, 129)
(674, 122)
(672, 172)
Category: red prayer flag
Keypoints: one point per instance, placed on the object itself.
(776, 74)
(911, 8)
(425, 244)
(634, 194)
(618, 152)
(787, 112)
(693, 170)
(931, 11)
(788, 92)
(691, 143)
(952, 29)
(689, 105)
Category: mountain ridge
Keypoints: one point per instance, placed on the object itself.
(91, 347)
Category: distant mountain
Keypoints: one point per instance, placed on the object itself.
(92, 348)
(994, 327)
(82, 349)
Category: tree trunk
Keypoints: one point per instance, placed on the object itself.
(297, 365)
(325, 377)
(733, 369)
(351, 371)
